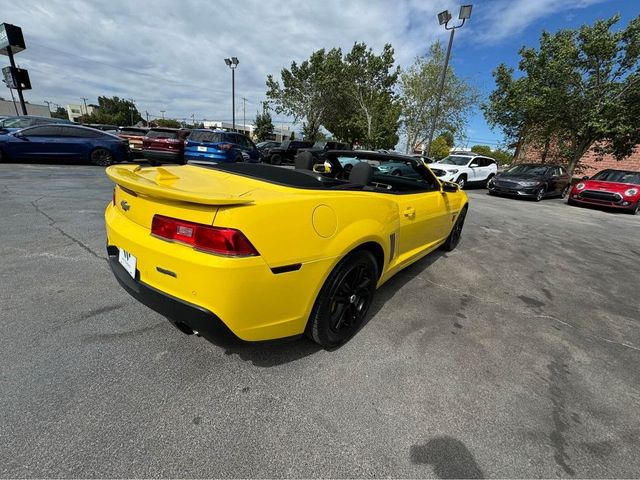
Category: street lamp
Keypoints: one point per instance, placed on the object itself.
(443, 19)
(232, 63)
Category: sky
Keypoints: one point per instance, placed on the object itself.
(169, 55)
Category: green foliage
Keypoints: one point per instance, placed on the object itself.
(113, 111)
(60, 113)
(439, 147)
(503, 157)
(482, 149)
(448, 137)
(351, 96)
(293, 136)
(578, 88)
(419, 89)
(167, 122)
(264, 126)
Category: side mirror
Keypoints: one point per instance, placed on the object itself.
(321, 168)
(449, 187)
(586, 177)
(474, 165)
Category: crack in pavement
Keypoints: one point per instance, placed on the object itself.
(52, 224)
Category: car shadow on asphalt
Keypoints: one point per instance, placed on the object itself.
(278, 352)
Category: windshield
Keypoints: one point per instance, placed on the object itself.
(619, 176)
(528, 170)
(455, 160)
(19, 122)
(209, 137)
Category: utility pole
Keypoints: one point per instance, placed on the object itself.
(244, 114)
(193, 120)
(48, 104)
(162, 112)
(86, 112)
(132, 107)
(147, 117)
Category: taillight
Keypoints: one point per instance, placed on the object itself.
(225, 146)
(223, 241)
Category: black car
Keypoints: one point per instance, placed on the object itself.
(286, 152)
(264, 147)
(320, 149)
(535, 181)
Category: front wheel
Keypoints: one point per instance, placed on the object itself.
(456, 232)
(488, 180)
(565, 191)
(635, 210)
(462, 182)
(276, 159)
(540, 194)
(344, 300)
(101, 157)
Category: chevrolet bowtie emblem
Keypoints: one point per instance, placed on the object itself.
(125, 205)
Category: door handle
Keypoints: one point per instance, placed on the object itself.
(409, 212)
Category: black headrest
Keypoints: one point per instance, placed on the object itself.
(304, 161)
(361, 173)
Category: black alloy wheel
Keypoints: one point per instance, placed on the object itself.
(565, 191)
(101, 157)
(344, 300)
(456, 232)
(276, 159)
(540, 193)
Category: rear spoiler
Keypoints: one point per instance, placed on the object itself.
(162, 185)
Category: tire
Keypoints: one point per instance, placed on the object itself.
(342, 305)
(486, 184)
(101, 157)
(239, 158)
(276, 159)
(153, 163)
(456, 232)
(572, 203)
(540, 194)
(565, 191)
(462, 181)
(634, 211)
(2, 157)
(346, 171)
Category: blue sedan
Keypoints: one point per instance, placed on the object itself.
(63, 142)
(204, 145)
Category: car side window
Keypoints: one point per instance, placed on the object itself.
(78, 133)
(44, 131)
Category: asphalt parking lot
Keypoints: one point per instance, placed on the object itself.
(516, 355)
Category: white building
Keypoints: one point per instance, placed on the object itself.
(279, 133)
(76, 111)
(8, 109)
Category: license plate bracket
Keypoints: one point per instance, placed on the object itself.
(128, 261)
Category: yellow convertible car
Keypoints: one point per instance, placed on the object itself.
(267, 252)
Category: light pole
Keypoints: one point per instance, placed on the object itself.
(86, 112)
(162, 112)
(444, 18)
(232, 63)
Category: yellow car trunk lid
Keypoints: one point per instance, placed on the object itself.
(184, 192)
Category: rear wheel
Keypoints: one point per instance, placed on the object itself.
(635, 210)
(456, 232)
(540, 193)
(344, 300)
(101, 157)
(565, 191)
(488, 180)
(276, 159)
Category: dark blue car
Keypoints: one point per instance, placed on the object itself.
(63, 142)
(219, 146)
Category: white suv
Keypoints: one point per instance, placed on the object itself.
(465, 169)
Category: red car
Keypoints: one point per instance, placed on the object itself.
(609, 188)
(162, 145)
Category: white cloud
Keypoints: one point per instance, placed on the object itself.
(168, 55)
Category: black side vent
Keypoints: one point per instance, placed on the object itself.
(287, 268)
(392, 246)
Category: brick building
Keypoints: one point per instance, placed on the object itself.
(589, 163)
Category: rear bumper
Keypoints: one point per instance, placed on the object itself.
(206, 156)
(185, 316)
(162, 156)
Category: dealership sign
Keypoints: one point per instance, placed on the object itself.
(11, 36)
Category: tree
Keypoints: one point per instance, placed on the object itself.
(167, 123)
(370, 81)
(439, 147)
(60, 113)
(307, 89)
(580, 88)
(113, 111)
(482, 150)
(419, 90)
(503, 157)
(264, 126)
